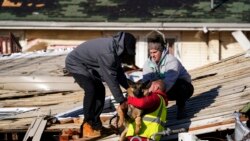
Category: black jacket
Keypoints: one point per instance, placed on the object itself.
(99, 58)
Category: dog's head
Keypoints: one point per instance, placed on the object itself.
(138, 89)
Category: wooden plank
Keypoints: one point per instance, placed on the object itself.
(39, 131)
(199, 124)
(43, 100)
(219, 80)
(215, 99)
(26, 94)
(32, 129)
(220, 64)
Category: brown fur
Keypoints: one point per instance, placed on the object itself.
(136, 89)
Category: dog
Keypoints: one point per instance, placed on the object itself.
(136, 89)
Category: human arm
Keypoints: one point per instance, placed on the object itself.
(171, 71)
(122, 79)
(148, 71)
(109, 66)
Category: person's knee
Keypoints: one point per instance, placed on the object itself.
(186, 88)
(191, 89)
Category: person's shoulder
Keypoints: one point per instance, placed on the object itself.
(171, 58)
(148, 64)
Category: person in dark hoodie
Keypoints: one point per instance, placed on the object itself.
(93, 62)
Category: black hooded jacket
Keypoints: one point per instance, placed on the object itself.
(99, 58)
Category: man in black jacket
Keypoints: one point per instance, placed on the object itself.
(95, 61)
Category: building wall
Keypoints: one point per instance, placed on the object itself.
(198, 49)
(37, 39)
(192, 48)
(229, 46)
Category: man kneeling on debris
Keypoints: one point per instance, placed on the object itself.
(154, 105)
(95, 61)
(161, 65)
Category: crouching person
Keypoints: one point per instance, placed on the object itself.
(94, 62)
(154, 105)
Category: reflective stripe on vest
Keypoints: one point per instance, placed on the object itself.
(158, 118)
(152, 122)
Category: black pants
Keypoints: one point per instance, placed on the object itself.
(94, 99)
(181, 92)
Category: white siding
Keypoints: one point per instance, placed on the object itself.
(194, 52)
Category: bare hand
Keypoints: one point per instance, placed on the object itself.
(157, 85)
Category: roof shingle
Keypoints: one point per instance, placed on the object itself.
(127, 11)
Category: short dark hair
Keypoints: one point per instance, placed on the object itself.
(156, 42)
(157, 39)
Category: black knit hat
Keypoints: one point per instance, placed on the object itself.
(129, 43)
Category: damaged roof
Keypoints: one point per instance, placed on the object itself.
(221, 88)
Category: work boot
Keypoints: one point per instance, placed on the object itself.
(89, 132)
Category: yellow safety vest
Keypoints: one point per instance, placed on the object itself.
(151, 123)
